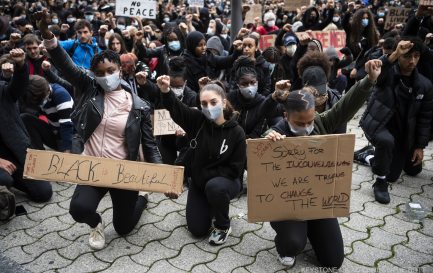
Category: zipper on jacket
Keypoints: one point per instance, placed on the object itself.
(246, 117)
(94, 105)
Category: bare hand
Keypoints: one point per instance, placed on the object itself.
(64, 28)
(237, 45)
(403, 47)
(163, 83)
(188, 18)
(46, 65)
(417, 157)
(203, 81)
(243, 32)
(283, 85)
(373, 68)
(15, 38)
(287, 28)
(18, 56)
(141, 78)
(43, 19)
(7, 70)
(304, 38)
(274, 136)
(353, 73)
(8, 166)
(180, 133)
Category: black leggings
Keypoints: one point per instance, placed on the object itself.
(324, 235)
(214, 201)
(390, 158)
(127, 207)
(40, 132)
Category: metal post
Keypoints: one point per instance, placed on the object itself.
(236, 17)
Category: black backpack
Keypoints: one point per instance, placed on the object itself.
(7, 203)
(75, 45)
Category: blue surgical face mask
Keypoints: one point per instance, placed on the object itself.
(381, 14)
(55, 21)
(301, 131)
(89, 17)
(364, 22)
(174, 45)
(249, 92)
(213, 112)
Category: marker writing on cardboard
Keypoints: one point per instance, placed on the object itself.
(82, 170)
(126, 177)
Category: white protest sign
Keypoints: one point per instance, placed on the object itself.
(134, 8)
(196, 3)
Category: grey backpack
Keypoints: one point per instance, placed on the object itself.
(7, 203)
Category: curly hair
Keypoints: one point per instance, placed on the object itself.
(271, 54)
(357, 30)
(314, 58)
(244, 65)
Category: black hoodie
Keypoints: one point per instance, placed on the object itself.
(221, 149)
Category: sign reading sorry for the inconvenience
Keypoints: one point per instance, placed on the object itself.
(299, 178)
(102, 172)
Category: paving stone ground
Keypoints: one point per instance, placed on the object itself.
(377, 238)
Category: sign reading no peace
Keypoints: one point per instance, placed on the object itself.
(134, 8)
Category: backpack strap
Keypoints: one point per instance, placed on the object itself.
(73, 48)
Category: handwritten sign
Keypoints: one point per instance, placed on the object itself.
(102, 172)
(134, 8)
(299, 178)
(334, 38)
(255, 11)
(196, 3)
(163, 124)
(426, 2)
(293, 5)
(396, 16)
(267, 41)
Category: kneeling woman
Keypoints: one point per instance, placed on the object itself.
(112, 123)
(219, 155)
(301, 119)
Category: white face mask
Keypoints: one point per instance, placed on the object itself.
(271, 23)
(70, 20)
(249, 92)
(224, 36)
(213, 112)
(301, 131)
(121, 27)
(335, 19)
(291, 49)
(178, 91)
(55, 21)
(210, 31)
(89, 17)
(109, 83)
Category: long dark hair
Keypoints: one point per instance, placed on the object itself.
(218, 87)
(357, 30)
(122, 43)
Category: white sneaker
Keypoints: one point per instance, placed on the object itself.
(219, 236)
(287, 261)
(97, 237)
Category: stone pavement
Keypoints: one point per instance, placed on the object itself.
(377, 238)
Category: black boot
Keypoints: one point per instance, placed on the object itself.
(381, 193)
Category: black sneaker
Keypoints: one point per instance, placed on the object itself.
(219, 236)
(360, 155)
(381, 194)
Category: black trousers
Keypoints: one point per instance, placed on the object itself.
(324, 235)
(40, 132)
(37, 190)
(127, 207)
(214, 201)
(390, 157)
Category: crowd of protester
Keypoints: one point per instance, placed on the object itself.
(76, 78)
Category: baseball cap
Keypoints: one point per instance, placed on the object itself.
(315, 76)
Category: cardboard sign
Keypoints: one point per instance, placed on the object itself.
(396, 16)
(334, 38)
(292, 5)
(102, 172)
(267, 41)
(134, 8)
(426, 2)
(299, 178)
(163, 124)
(196, 3)
(255, 11)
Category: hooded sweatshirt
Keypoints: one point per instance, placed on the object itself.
(220, 150)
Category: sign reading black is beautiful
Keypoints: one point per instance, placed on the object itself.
(102, 172)
(299, 178)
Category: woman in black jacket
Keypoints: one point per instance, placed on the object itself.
(112, 123)
(254, 109)
(250, 48)
(219, 154)
(173, 40)
(199, 59)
